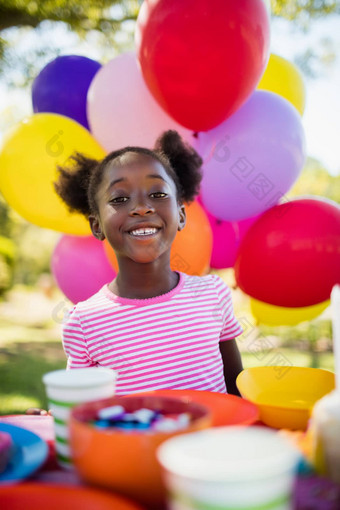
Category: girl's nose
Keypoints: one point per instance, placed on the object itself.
(141, 208)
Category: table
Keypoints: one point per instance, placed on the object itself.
(311, 492)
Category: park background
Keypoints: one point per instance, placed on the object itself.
(32, 308)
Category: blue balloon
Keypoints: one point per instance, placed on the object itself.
(62, 85)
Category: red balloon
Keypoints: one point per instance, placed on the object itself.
(201, 59)
(291, 256)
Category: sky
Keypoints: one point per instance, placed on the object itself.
(321, 119)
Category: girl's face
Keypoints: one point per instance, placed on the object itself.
(138, 210)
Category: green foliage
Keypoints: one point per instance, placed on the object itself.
(34, 257)
(100, 15)
(80, 16)
(303, 10)
(315, 180)
(7, 257)
(100, 20)
(7, 249)
(25, 249)
(5, 221)
(309, 337)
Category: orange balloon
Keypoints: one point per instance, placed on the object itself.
(192, 247)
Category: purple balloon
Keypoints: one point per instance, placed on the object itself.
(61, 87)
(252, 159)
(80, 267)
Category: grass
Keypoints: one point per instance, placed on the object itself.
(30, 343)
(295, 357)
(23, 363)
(30, 346)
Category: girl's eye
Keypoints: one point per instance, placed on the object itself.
(158, 194)
(118, 200)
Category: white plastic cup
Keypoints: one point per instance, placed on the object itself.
(67, 388)
(229, 467)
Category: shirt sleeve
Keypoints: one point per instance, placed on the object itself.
(74, 342)
(231, 327)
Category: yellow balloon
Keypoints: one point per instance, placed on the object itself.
(272, 315)
(28, 168)
(285, 79)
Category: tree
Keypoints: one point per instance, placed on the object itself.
(7, 248)
(302, 10)
(80, 16)
(98, 14)
(315, 180)
(19, 65)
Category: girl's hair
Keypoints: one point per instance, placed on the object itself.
(77, 184)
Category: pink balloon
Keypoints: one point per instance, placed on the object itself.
(225, 244)
(80, 267)
(225, 241)
(243, 226)
(122, 111)
(227, 237)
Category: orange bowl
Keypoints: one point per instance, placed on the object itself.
(34, 496)
(125, 461)
(225, 409)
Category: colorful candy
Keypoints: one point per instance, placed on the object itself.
(140, 420)
(110, 413)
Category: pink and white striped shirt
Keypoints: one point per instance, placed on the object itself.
(166, 342)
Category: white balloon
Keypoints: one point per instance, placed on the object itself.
(121, 110)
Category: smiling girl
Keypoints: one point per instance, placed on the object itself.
(158, 328)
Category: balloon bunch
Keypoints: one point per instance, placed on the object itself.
(196, 68)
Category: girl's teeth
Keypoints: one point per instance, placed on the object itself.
(143, 231)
